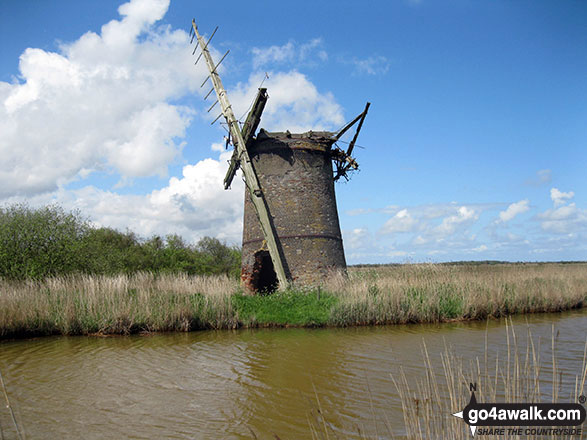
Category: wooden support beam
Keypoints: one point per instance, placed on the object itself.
(362, 115)
(251, 180)
(249, 129)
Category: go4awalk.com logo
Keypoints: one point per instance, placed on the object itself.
(562, 419)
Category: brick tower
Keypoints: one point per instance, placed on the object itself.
(291, 229)
(295, 172)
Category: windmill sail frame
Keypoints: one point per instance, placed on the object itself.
(241, 158)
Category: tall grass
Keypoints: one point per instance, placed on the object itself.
(434, 293)
(82, 304)
(516, 376)
(120, 304)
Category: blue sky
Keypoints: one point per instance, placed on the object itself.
(474, 147)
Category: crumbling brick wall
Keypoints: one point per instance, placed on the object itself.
(295, 174)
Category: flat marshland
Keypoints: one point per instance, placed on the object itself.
(410, 293)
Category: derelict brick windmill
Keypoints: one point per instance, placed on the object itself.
(291, 231)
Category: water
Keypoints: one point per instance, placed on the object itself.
(224, 384)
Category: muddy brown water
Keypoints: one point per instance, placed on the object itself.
(223, 384)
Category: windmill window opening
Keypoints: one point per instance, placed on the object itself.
(265, 279)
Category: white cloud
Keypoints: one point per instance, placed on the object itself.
(463, 217)
(453, 231)
(358, 238)
(290, 53)
(396, 254)
(102, 102)
(294, 104)
(218, 147)
(400, 222)
(314, 49)
(107, 102)
(372, 65)
(544, 176)
(294, 54)
(419, 240)
(193, 205)
(559, 197)
(565, 219)
(514, 209)
(435, 224)
(273, 54)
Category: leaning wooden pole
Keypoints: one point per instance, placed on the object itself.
(251, 180)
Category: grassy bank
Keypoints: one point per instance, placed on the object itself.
(123, 304)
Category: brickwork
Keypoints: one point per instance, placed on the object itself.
(295, 174)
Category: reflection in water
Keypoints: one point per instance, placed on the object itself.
(223, 384)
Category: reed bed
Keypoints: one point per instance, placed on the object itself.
(520, 375)
(417, 293)
(120, 304)
(413, 293)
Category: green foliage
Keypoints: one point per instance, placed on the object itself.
(288, 307)
(39, 243)
(440, 302)
(219, 258)
(36, 243)
(413, 301)
(450, 302)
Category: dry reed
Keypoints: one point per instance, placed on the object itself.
(516, 376)
(410, 293)
(433, 293)
(115, 304)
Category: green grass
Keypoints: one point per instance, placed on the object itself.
(285, 308)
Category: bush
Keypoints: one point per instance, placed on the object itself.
(36, 243)
(40, 243)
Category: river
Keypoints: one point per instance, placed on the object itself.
(227, 384)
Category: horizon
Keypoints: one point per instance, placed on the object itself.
(474, 148)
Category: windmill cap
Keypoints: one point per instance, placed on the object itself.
(320, 136)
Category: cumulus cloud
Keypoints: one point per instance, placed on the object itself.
(514, 209)
(456, 231)
(108, 102)
(400, 222)
(567, 219)
(434, 229)
(463, 217)
(419, 240)
(273, 54)
(434, 222)
(101, 102)
(193, 205)
(294, 104)
(559, 197)
(357, 238)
